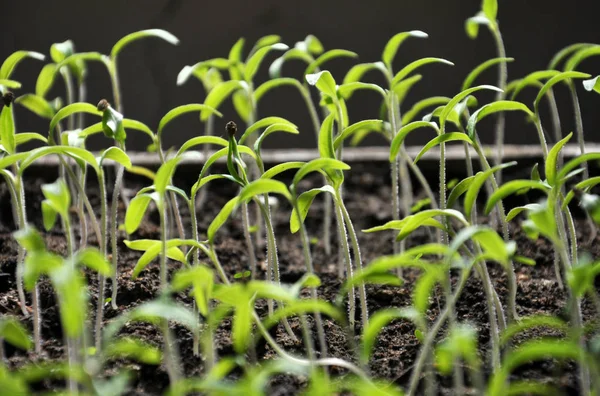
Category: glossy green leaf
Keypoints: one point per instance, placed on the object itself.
(574, 163)
(356, 72)
(528, 352)
(294, 53)
(264, 123)
(460, 344)
(476, 72)
(204, 109)
(9, 84)
(324, 82)
(317, 165)
(73, 109)
(325, 141)
(72, 298)
(264, 186)
(552, 159)
(566, 52)
(421, 105)
(7, 130)
(173, 252)
(24, 137)
(30, 239)
(206, 71)
(494, 107)
(117, 155)
(446, 137)
(14, 59)
(265, 87)
(49, 215)
(112, 125)
(458, 190)
(420, 219)
(424, 288)
(514, 212)
(31, 156)
(478, 182)
(304, 306)
(14, 333)
(45, 80)
(458, 98)
(377, 322)
(565, 76)
(490, 9)
(411, 67)
(304, 201)
(532, 80)
(154, 251)
(403, 88)
(350, 130)
(391, 48)
(580, 55)
(200, 140)
(223, 153)
(278, 169)
(264, 41)
(58, 195)
(513, 187)
(130, 38)
(400, 224)
(136, 211)
(398, 140)
(256, 59)
(217, 95)
(272, 129)
(326, 57)
(592, 84)
(221, 218)
(346, 90)
(164, 175)
(472, 24)
(94, 260)
(36, 104)
(201, 279)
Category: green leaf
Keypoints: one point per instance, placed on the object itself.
(472, 24)
(458, 98)
(565, 76)
(566, 52)
(264, 186)
(530, 322)
(592, 84)
(317, 165)
(356, 73)
(532, 80)
(136, 211)
(117, 155)
(203, 180)
(60, 51)
(494, 107)
(446, 137)
(391, 48)
(9, 84)
(513, 187)
(31, 156)
(490, 9)
(223, 153)
(37, 105)
(574, 163)
(580, 55)
(324, 82)
(7, 130)
(164, 175)
(201, 278)
(14, 59)
(272, 129)
(420, 219)
(346, 90)
(421, 105)
(58, 195)
(326, 57)
(274, 83)
(378, 321)
(411, 67)
(173, 252)
(304, 201)
(514, 212)
(264, 123)
(217, 95)
(591, 203)
(45, 80)
(476, 72)
(49, 215)
(357, 126)
(399, 225)
(202, 70)
(130, 38)
(532, 351)
(459, 190)
(398, 140)
(141, 171)
(241, 103)
(221, 218)
(155, 250)
(256, 59)
(461, 344)
(235, 59)
(242, 325)
(552, 159)
(72, 297)
(294, 53)
(67, 111)
(14, 333)
(277, 169)
(403, 87)
(135, 349)
(199, 140)
(94, 260)
(205, 110)
(30, 239)
(478, 182)
(325, 141)
(21, 138)
(424, 288)
(112, 125)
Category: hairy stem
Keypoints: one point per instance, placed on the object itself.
(113, 234)
(104, 251)
(579, 127)
(502, 77)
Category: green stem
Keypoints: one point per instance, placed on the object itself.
(502, 77)
(113, 234)
(579, 127)
(357, 258)
(104, 251)
(14, 195)
(116, 88)
(345, 249)
(394, 174)
(250, 245)
(542, 137)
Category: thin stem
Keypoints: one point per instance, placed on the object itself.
(116, 88)
(502, 77)
(395, 174)
(541, 136)
(357, 259)
(104, 251)
(579, 127)
(345, 249)
(173, 200)
(113, 234)
(249, 244)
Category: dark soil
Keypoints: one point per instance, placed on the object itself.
(367, 198)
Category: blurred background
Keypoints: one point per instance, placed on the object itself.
(533, 31)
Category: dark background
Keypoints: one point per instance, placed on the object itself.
(533, 31)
